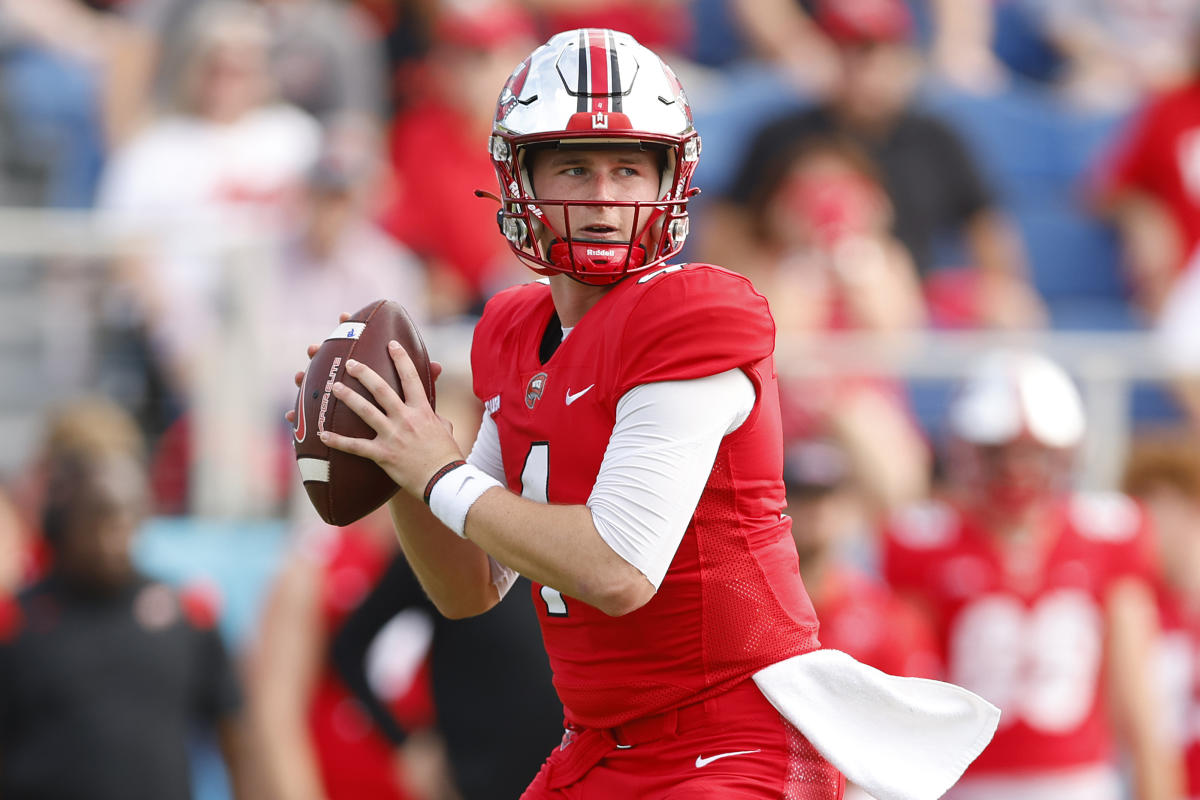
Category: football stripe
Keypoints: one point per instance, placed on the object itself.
(348, 330)
(314, 469)
(598, 62)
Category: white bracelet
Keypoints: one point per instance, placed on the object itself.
(455, 492)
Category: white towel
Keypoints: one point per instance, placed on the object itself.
(898, 738)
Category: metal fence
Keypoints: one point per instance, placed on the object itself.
(56, 341)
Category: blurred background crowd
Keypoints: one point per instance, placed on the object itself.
(192, 190)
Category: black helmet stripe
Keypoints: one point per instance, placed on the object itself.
(581, 89)
(614, 74)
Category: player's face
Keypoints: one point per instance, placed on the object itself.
(1017, 474)
(618, 174)
(96, 549)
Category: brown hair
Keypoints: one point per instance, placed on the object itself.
(1164, 458)
(91, 426)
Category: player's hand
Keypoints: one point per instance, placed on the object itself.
(412, 442)
(435, 369)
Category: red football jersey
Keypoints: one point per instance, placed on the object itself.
(1178, 680)
(863, 617)
(1160, 155)
(1030, 638)
(732, 601)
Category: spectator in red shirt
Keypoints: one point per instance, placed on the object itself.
(1148, 185)
(439, 163)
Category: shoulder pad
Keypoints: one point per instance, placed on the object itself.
(925, 525)
(1105, 516)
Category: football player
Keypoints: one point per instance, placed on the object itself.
(1040, 595)
(629, 460)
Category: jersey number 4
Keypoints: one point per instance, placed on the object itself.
(535, 481)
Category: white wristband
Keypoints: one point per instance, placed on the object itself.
(455, 492)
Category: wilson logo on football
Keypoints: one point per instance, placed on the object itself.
(533, 391)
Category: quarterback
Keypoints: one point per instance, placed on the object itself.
(629, 460)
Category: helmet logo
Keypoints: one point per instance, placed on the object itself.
(599, 120)
(534, 389)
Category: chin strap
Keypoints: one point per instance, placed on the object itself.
(597, 262)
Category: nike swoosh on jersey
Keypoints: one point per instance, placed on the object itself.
(571, 398)
(701, 761)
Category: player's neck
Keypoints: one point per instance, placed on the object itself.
(573, 299)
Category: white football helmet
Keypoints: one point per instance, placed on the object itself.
(1010, 394)
(1015, 425)
(599, 87)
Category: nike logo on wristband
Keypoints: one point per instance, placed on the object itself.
(571, 398)
(701, 761)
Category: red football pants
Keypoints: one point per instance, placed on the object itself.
(732, 747)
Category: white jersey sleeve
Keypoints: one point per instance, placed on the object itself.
(658, 462)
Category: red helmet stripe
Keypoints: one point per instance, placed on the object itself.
(598, 58)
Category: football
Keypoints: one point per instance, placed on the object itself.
(344, 487)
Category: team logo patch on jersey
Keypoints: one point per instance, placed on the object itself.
(533, 391)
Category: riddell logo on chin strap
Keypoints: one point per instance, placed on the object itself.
(605, 253)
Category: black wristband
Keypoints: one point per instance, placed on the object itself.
(441, 473)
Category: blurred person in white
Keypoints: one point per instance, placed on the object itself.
(333, 257)
(935, 186)
(227, 160)
(1042, 597)
(827, 261)
(325, 56)
(1163, 473)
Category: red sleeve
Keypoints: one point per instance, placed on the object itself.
(691, 323)
(1132, 163)
(1136, 557)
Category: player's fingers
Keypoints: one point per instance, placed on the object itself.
(290, 416)
(342, 317)
(384, 394)
(435, 370)
(367, 411)
(410, 382)
(299, 379)
(348, 444)
(312, 349)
